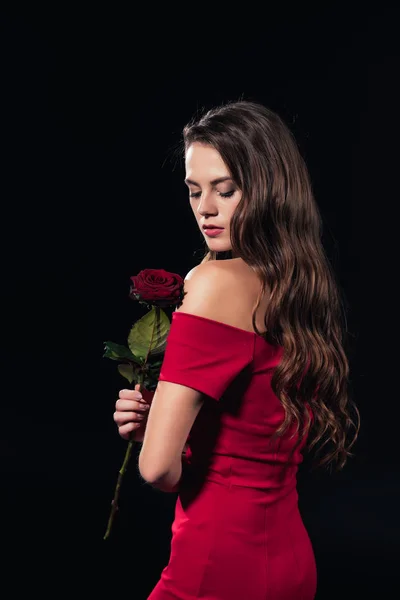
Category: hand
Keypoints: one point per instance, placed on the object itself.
(131, 412)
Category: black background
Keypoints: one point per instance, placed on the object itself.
(93, 104)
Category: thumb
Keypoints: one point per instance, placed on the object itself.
(137, 387)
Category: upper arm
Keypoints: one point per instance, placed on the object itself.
(175, 407)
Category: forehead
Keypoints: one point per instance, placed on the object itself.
(203, 159)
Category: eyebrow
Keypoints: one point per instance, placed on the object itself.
(213, 182)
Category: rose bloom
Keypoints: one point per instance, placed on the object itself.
(157, 286)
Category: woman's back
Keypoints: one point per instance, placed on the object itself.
(237, 531)
(241, 425)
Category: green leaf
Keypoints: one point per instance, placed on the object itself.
(126, 371)
(151, 331)
(154, 366)
(118, 352)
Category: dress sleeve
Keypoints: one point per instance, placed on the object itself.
(204, 354)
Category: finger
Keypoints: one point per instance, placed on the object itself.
(130, 405)
(130, 395)
(125, 430)
(121, 418)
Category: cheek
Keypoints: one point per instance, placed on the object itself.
(233, 206)
(238, 199)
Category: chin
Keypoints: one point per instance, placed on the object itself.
(219, 247)
(222, 253)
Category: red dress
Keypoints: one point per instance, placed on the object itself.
(237, 532)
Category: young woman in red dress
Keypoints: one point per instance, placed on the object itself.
(254, 372)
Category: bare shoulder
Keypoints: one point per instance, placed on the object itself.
(222, 274)
(230, 268)
(221, 290)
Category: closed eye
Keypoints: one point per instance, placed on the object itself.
(222, 194)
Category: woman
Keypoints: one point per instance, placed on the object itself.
(254, 372)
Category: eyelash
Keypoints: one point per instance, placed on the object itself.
(223, 195)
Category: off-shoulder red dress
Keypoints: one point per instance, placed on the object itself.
(237, 533)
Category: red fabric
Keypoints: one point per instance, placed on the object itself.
(237, 532)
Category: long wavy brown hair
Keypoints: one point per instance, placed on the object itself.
(277, 230)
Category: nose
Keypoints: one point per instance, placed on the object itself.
(206, 205)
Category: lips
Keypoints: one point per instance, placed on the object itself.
(213, 231)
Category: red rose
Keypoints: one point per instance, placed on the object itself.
(157, 286)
